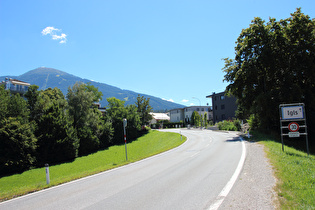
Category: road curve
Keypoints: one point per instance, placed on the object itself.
(191, 176)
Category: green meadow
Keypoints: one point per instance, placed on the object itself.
(148, 145)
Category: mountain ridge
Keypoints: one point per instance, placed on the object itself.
(45, 77)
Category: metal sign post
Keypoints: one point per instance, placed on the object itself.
(125, 125)
(289, 114)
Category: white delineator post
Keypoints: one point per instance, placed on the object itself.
(47, 173)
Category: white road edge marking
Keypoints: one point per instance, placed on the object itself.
(219, 200)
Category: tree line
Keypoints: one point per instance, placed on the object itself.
(44, 126)
(274, 64)
(198, 120)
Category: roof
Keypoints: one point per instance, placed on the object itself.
(18, 82)
(205, 106)
(215, 94)
(160, 116)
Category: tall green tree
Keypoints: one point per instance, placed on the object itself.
(144, 109)
(4, 101)
(17, 107)
(117, 111)
(17, 140)
(195, 118)
(205, 119)
(106, 138)
(134, 122)
(85, 117)
(274, 64)
(57, 140)
(97, 95)
(32, 96)
(17, 146)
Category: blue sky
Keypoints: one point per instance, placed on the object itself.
(171, 49)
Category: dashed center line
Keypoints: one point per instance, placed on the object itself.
(195, 154)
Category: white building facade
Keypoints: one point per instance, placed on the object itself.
(184, 114)
(15, 86)
(156, 117)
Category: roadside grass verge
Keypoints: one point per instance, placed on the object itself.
(148, 145)
(295, 171)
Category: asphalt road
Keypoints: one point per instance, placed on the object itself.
(195, 175)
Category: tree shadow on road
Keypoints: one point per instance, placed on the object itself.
(234, 139)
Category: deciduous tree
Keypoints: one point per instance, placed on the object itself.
(274, 64)
(85, 117)
(17, 140)
(195, 118)
(17, 146)
(144, 109)
(116, 111)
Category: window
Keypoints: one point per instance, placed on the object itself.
(222, 106)
(222, 97)
(223, 117)
(197, 109)
(216, 107)
(202, 109)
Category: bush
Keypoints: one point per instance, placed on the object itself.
(237, 124)
(253, 122)
(17, 146)
(234, 125)
(167, 125)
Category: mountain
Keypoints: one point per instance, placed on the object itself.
(49, 77)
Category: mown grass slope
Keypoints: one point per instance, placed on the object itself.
(150, 144)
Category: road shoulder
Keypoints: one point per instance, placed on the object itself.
(254, 188)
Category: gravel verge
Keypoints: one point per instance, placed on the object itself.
(254, 188)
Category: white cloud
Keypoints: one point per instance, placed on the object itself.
(49, 30)
(55, 34)
(62, 36)
(192, 104)
(185, 100)
(170, 100)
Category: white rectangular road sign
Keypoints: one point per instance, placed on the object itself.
(292, 112)
(294, 134)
